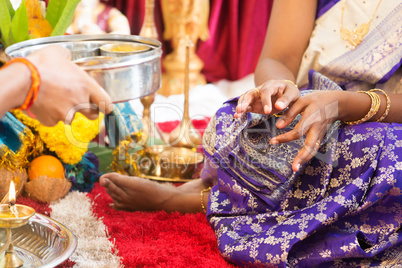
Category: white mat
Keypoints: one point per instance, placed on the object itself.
(204, 101)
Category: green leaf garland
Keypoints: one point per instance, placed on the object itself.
(19, 24)
(14, 25)
(66, 18)
(5, 23)
(54, 11)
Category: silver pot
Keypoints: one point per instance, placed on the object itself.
(124, 78)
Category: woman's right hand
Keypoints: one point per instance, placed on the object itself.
(269, 98)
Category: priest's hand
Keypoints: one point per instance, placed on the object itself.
(65, 88)
(269, 98)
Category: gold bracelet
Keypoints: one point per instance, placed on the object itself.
(386, 112)
(291, 82)
(202, 199)
(375, 105)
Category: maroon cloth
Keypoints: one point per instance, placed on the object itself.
(237, 29)
(237, 32)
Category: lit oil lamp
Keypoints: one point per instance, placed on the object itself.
(12, 216)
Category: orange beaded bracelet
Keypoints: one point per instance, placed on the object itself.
(34, 90)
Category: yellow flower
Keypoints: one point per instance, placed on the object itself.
(69, 142)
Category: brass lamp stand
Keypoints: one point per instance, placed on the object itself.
(148, 29)
(183, 18)
(185, 135)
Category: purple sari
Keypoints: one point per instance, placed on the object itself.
(341, 209)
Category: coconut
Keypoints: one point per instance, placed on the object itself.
(47, 189)
(6, 176)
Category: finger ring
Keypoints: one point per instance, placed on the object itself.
(258, 91)
(314, 148)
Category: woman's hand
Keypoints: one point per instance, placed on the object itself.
(271, 97)
(319, 110)
(65, 88)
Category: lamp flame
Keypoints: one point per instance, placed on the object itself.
(11, 193)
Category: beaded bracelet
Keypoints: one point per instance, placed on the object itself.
(386, 112)
(202, 199)
(34, 90)
(291, 82)
(375, 105)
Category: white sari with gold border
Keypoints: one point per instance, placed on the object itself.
(370, 64)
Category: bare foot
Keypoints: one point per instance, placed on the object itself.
(133, 193)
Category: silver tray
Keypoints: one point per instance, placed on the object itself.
(43, 242)
(124, 78)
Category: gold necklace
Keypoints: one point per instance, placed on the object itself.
(356, 36)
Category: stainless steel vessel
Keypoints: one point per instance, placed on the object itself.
(42, 242)
(124, 78)
(123, 49)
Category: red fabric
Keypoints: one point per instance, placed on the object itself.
(134, 10)
(158, 239)
(237, 32)
(199, 124)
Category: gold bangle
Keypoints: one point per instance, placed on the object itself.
(291, 82)
(375, 105)
(386, 112)
(202, 199)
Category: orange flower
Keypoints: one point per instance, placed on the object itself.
(38, 26)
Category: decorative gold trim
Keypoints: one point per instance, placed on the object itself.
(202, 198)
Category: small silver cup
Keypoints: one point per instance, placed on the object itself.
(123, 49)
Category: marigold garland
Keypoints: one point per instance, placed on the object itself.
(69, 142)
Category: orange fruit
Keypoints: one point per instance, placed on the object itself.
(46, 165)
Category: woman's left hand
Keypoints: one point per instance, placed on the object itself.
(318, 110)
(271, 97)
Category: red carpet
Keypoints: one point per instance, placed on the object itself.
(153, 239)
(158, 239)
